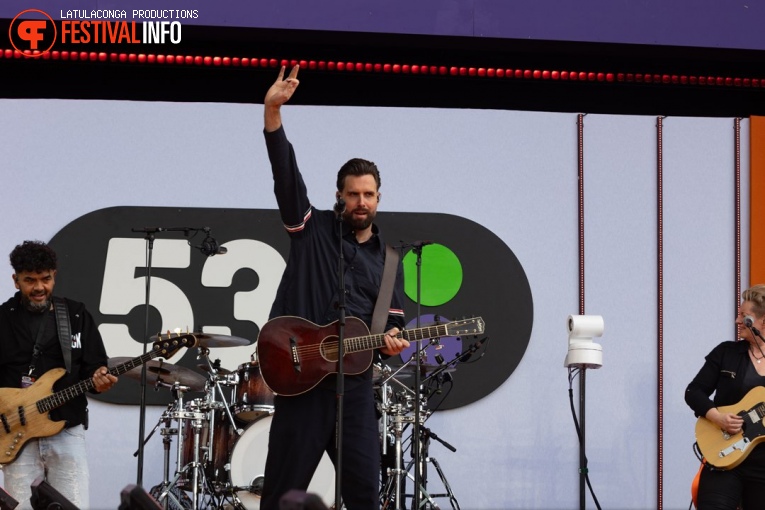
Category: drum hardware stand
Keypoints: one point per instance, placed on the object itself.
(426, 434)
(167, 432)
(195, 464)
(204, 353)
(226, 490)
(394, 486)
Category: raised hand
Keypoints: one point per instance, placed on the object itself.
(281, 91)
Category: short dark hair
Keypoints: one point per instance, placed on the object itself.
(33, 256)
(357, 167)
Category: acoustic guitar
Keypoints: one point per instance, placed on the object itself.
(295, 354)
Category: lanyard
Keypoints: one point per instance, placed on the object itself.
(38, 341)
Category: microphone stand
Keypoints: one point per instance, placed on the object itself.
(149, 231)
(416, 443)
(142, 419)
(340, 353)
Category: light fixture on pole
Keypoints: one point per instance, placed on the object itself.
(582, 354)
(582, 351)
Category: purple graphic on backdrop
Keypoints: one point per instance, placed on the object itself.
(447, 347)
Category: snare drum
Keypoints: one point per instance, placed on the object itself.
(248, 464)
(253, 398)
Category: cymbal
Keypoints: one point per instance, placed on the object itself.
(167, 372)
(424, 369)
(209, 339)
(221, 371)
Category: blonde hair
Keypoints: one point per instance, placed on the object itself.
(755, 295)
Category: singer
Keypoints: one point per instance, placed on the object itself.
(303, 426)
(731, 370)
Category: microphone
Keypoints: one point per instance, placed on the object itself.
(210, 246)
(473, 348)
(339, 206)
(749, 323)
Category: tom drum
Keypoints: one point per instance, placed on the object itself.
(253, 398)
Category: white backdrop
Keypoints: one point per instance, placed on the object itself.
(513, 172)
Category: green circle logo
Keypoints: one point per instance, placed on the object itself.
(441, 275)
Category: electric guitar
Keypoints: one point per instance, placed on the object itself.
(24, 412)
(295, 354)
(726, 451)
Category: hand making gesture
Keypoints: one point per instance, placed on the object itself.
(279, 93)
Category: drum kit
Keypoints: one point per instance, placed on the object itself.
(396, 402)
(222, 437)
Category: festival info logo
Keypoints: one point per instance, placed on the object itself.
(462, 271)
(34, 32)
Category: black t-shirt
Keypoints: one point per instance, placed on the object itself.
(18, 333)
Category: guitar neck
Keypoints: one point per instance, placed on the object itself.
(60, 398)
(369, 342)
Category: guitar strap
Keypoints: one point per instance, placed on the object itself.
(64, 330)
(384, 296)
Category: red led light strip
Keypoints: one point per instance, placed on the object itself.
(361, 67)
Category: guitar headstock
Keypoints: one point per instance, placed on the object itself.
(168, 345)
(472, 326)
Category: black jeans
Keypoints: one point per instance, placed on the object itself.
(303, 428)
(742, 487)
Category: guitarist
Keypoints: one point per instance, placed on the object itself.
(303, 426)
(29, 347)
(731, 370)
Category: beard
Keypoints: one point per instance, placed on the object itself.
(33, 306)
(359, 223)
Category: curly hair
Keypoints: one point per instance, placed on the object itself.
(33, 256)
(357, 167)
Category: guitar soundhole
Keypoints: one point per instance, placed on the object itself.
(328, 349)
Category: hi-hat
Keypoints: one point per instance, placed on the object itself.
(166, 372)
(206, 339)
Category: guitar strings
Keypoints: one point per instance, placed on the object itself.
(330, 347)
(58, 398)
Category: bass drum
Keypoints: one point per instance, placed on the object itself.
(248, 463)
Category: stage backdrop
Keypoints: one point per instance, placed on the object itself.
(509, 176)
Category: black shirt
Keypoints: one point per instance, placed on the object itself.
(308, 288)
(18, 332)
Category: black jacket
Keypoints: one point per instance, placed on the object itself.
(17, 343)
(722, 374)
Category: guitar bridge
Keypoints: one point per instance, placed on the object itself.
(294, 355)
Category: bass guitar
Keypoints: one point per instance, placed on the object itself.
(295, 354)
(24, 412)
(726, 451)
